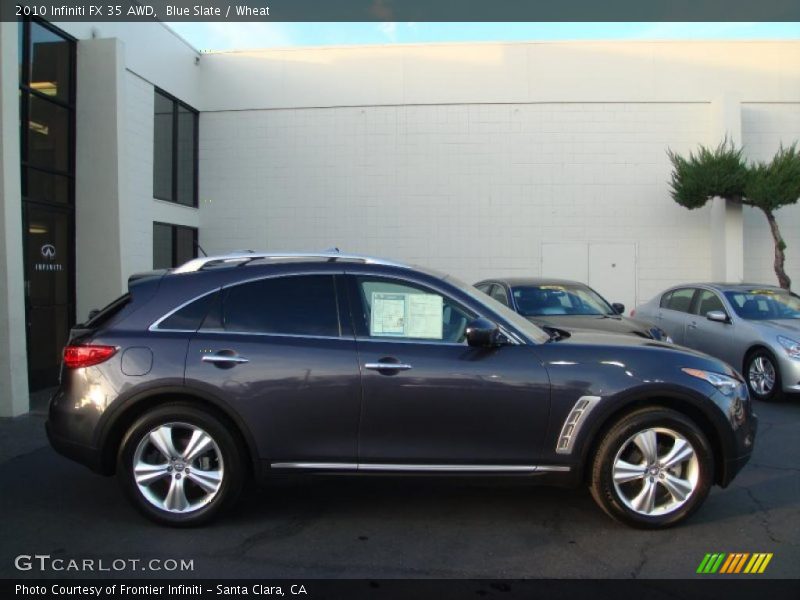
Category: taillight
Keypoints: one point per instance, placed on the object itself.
(77, 357)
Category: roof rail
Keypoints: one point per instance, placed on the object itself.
(235, 259)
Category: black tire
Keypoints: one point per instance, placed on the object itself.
(776, 393)
(618, 439)
(224, 458)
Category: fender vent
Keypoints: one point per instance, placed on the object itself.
(573, 423)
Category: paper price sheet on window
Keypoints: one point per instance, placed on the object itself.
(406, 315)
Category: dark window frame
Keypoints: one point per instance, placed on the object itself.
(176, 103)
(174, 240)
(26, 92)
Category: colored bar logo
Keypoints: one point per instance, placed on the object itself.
(734, 563)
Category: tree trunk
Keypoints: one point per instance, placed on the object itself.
(780, 256)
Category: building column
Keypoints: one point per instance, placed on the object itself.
(99, 180)
(727, 222)
(14, 397)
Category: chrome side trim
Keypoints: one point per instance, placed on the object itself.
(572, 424)
(280, 335)
(324, 466)
(423, 468)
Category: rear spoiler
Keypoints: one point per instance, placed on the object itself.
(156, 274)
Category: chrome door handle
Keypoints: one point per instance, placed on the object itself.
(387, 366)
(692, 325)
(225, 360)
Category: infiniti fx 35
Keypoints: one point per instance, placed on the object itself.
(249, 365)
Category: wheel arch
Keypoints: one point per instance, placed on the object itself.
(751, 349)
(681, 403)
(131, 408)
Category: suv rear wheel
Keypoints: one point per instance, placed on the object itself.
(652, 469)
(180, 465)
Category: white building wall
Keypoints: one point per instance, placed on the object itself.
(469, 189)
(765, 126)
(468, 157)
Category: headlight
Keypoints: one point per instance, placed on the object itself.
(792, 348)
(725, 384)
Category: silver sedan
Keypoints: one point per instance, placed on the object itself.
(754, 328)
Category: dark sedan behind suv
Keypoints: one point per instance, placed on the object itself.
(559, 304)
(250, 364)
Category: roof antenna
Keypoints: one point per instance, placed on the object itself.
(333, 249)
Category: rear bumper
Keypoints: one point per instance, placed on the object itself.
(85, 455)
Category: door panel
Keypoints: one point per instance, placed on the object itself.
(439, 401)
(612, 272)
(279, 350)
(301, 397)
(711, 337)
(456, 405)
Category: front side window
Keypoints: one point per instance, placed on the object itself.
(292, 305)
(559, 299)
(175, 128)
(173, 245)
(707, 302)
(499, 293)
(679, 300)
(764, 304)
(395, 310)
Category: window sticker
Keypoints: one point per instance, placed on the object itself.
(406, 315)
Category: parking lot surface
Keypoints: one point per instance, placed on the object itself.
(382, 527)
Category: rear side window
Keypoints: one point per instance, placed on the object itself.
(294, 305)
(679, 300)
(190, 316)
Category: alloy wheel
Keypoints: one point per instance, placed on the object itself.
(761, 375)
(178, 467)
(655, 471)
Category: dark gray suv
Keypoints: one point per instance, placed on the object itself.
(247, 365)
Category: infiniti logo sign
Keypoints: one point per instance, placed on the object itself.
(48, 251)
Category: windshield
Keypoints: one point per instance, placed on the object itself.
(759, 305)
(523, 325)
(559, 299)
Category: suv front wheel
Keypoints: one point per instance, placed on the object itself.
(180, 465)
(652, 469)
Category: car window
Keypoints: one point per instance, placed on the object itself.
(292, 305)
(498, 292)
(484, 287)
(406, 311)
(768, 303)
(190, 316)
(559, 299)
(679, 300)
(708, 301)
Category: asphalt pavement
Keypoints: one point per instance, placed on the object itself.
(388, 527)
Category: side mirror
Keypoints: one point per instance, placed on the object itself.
(619, 308)
(718, 316)
(483, 333)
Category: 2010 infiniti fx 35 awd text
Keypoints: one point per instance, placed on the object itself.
(250, 364)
